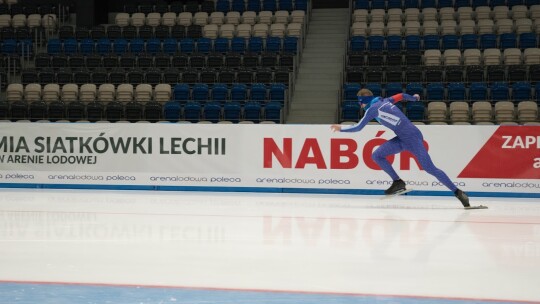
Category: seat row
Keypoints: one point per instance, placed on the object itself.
(211, 31)
(404, 4)
(433, 57)
(497, 91)
(468, 74)
(203, 18)
(163, 61)
(133, 111)
(48, 21)
(469, 41)
(480, 112)
(446, 27)
(155, 76)
(168, 46)
(144, 92)
(446, 13)
(219, 5)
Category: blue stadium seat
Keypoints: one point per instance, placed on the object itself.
(375, 43)
(428, 3)
(469, 41)
(277, 92)
(450, 42)
(290, 45)
(462, 3)
(350, 90)
(269, 5)
(220, 93)
(301, 5)
(376, 88)
(394, 4)
(478, 91)
(361, 4)
(456, 91)
(393, 88)
(378, 5)
(350, 111)
(358, 43)
(172, 111)
(273, 44)
(254, 5)
(170, 46)
(413, 42)
(204, 45)
(71, 46)
(239, 92)
(181, 93)
(153, 46)
(187, 45)
(500, 91)
(286, 5)
(212, 111)
(409, 3)
(120, 46)
(222, 45)
(258, 92)
(201, 92)
(54, 46)
(521, 91)
(494, 3)
(238, 5)
(255, 44)
(136, 46)
(192, 111)
(446, 3)
(528, 40)
(103, 46)
(252, 111)
(508, 40)
(435, 91)
(431, 42)
(238, 45)
(415, 88)
(488, 41)
(477, 3)
(415, 111)
(394, 43)
(272, 111)
(223, 6)
(87, 46)
(511, 3)
(537, 92)
(232, 111)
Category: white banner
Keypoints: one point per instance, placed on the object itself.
(489, 159)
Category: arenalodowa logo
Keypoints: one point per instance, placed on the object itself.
(344, 153)
(511, 152)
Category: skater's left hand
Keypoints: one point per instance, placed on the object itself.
(417, 97)
(335, 128)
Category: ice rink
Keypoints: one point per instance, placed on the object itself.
(104, 246)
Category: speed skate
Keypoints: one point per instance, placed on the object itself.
(387, 196)
(476, 207)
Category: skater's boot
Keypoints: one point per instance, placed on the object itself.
(397, 186)
(462, 196)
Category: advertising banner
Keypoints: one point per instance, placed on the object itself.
(303, 158)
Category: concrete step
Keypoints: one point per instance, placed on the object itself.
(321, 64)
(323, 84)
(325, 76)
(319, 95)
(311, 118)
(320, 58)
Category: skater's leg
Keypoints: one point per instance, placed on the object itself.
(416, 147)
(390, 147)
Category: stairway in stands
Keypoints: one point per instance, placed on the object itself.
(315, 99)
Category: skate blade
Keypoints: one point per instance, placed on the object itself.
(476, 207)
(396, 194)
